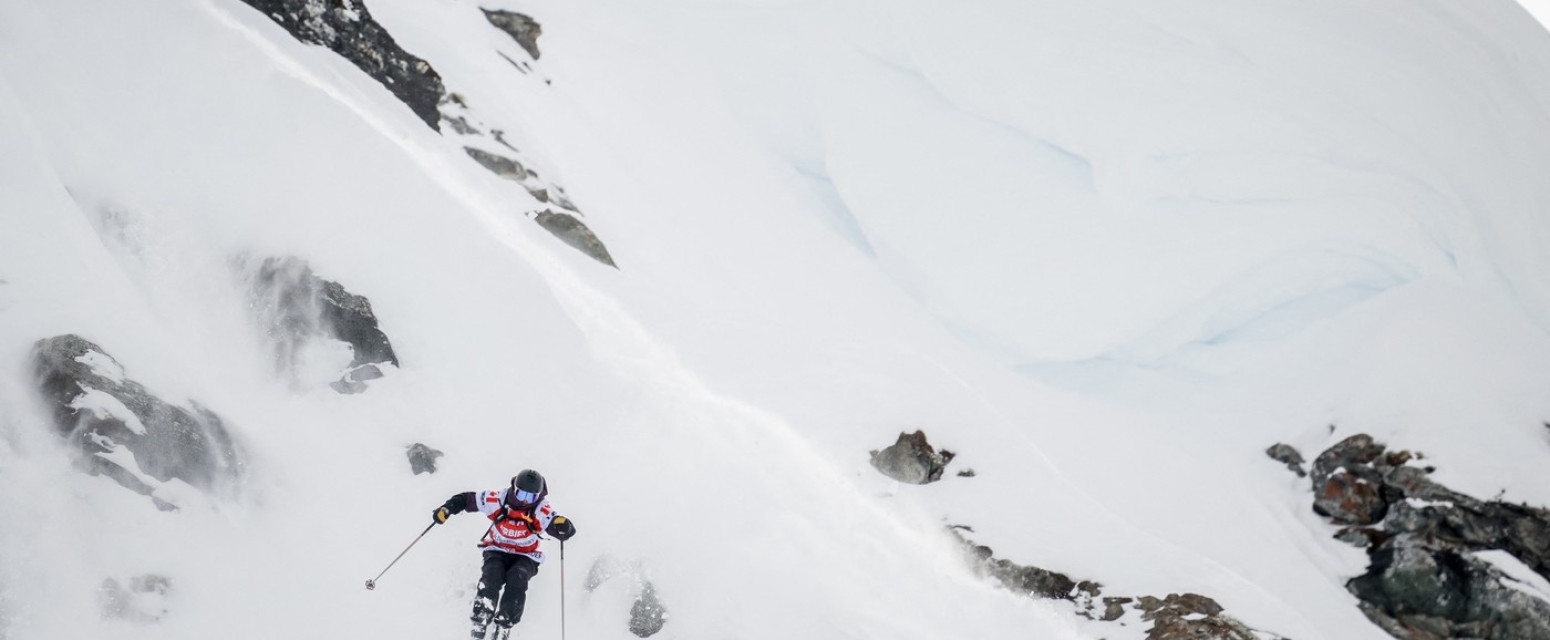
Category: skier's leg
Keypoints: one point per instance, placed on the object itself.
(521, 570)
(491, 577)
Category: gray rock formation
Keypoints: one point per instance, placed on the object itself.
(1288, 455)
(1424, 580)
(1178, 616)
(144, 599)
(347, 28)
(524, 29)
(647, 613)
(911, 459)
(1190, 616)
(572, 232)
(294, 307)
(122, 430)
(422, 459)
(1346, 488)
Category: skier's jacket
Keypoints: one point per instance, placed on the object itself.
(512, 530)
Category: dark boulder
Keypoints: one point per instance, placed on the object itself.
(1190, 616)
(122, 430)
(347, 28)
(295, 308)
(1288, 455)
(911, 459)
(1424, 580)
(1416, 590)
(572, 232)
(647, 613)
(422, 459)
(498, 164)
(524, 29)
(1346, 488)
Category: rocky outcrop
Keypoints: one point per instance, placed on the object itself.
(295, 309)
(911, 459)
(1177, 616)
(1425, 579)
(422, 459)
(347, 28)
(647, 613)
(522, 28)
(572, 232)
(123, 431)
(143, 599)
(1190, 616)
(1288, 455)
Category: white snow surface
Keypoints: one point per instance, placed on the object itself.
(1105, 251)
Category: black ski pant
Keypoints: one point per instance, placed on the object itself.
(511, 571)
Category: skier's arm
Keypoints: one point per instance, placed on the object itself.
(455, 505)
(555, 525)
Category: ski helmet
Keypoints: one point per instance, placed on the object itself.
(527, 488)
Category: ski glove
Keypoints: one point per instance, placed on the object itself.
(561, 528)
(454, 505)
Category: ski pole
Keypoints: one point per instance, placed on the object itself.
(562, 590)
(372, 583)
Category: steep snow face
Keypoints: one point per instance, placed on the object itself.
(1131, 181)
(815, 208)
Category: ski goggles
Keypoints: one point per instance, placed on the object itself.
(523, 497)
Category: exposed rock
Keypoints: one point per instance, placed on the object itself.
(521, 28)
(144, 600)
(498, 164)
(1114, 608)
(1190, 616)
(296, 309)
(1418, 591)
(911, 459)
(347, 28)
(1346, 488)
(122, 430)
(1423, 581)
(570, 230)
(647, 613)
(422, 459)
(1289, 455)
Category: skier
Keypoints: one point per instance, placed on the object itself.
(511, 554)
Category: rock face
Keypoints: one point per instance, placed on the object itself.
(1178, 616)
(1427, 579)
(347, 28)
(1288, 455)
(647, 613)
(422, 459)
(295, 309)
(521, 28)
(1346, 488)
(143, 600)
(122, 430)
(1190, 616)
(911, 459)
(571, 231)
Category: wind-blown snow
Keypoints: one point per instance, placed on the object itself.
(1106, 251)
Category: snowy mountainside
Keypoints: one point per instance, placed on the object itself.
(1105, 252)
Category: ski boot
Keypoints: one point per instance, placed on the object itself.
(480, 619)
(502, 629)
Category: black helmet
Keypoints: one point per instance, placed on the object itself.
(527, 488)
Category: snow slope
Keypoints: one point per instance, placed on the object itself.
(1106, 251)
